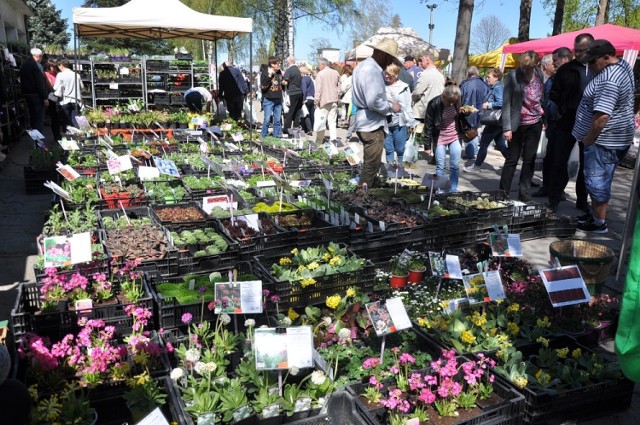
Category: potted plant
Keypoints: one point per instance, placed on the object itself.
(70, 406)
(399, 270)
(416, 268)
(143, 396)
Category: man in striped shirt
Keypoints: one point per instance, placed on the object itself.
(605, 125)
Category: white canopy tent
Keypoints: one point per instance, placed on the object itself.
(156, 19)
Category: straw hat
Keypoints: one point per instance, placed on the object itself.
(388, 46)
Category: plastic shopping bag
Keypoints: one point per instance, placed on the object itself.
(542, 146)
(304, 110)
(574, 162)
(320, 119)
(411, 150)
(249, 113)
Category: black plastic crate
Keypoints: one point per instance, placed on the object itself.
(450, 232)
(485, 218)
(510, 411)
(381, 250)
(155, 198)
(190, 263)
(169, 311)
(560, 226)
(279, 242)
(293, 295)
(528, 230)
(316, 230)
(182, 225)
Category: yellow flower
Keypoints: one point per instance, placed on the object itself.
(543, 323)
(333, 301)
(467, 337)
(479, 319)
(312, 266)
(335, 261)
(493, 331)
(301, 268)
(351, 292)
(513, 328)
(543, 377)
(424, 323)
(513, 308)
(544, 341)
(33, 392)
(295, 251)
(292, 314)
(576, 354)
(562, 353)
(326, 257)
(284, 261)
(330, 249)
(520, 381)
(307, 282)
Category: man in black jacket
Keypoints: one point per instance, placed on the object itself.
(233, 88)
(34, 89)
(566, 92)
(293, 83)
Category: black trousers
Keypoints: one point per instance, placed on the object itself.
(295, 104)
(559, 176)
(524, 143)
(234, 107)
(581, 189)
(547, 162)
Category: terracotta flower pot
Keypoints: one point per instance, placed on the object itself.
(399, 281)
(415, 276)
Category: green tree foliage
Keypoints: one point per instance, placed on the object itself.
(47, 28)
(133, 45)
(579, 14)
(368, 17)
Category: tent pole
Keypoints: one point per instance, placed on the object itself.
(629, 224)
(250, 85)
(76, 63)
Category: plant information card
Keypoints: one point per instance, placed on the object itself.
(565, 286)
(447, 266)
(238, 297)
(66, 250)
(484, 287)
(388, 317)
(119, 164)
(283, 348)
(221, 201)
(505, 245)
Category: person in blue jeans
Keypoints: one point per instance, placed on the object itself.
(491, 132)
(271, 86)
(444, 124)
(396, 139)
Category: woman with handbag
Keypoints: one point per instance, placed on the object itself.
(396, 139)
(490, 117)
(445, 124)
(50, 71)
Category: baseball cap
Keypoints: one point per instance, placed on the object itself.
(409, 58)
(598, 48)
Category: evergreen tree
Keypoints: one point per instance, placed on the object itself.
(47, 28)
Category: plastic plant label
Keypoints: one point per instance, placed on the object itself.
(238, 297)
(84, 304)
(68, 172)
(237, 137)
(154, 418)
(565, 286)
(123, 70)
(388, 317)
(484, 287)
(35, 135)
(122, 163)
(505, 245)
(302, 404)
(271, 411)
(166, 166)
(148, 173)
(241, 413)
(58, 190)
(283, 348)
(67, 250)
(113, 86)
(69, 145)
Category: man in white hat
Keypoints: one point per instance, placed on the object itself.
(370, 98)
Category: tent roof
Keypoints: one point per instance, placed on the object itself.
(493, 58)
(622, 39)
(154, 19)
(409, 43)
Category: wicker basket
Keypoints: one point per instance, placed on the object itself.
(593, 260)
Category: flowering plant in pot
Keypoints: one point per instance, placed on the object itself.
(416, 267)
(399, 270)
(143, 396)
(68, 407)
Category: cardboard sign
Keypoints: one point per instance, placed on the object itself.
(66, 250)
(484, 287)
(68, 172)
(119, 164)
(277, 348)
(565, 286)
(503, 245)
(388, 317)
(238, 297)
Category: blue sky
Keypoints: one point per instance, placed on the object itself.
(412, 14)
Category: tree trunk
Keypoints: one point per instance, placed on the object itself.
(290, 38)
(602, 11)
(463, 35)
(525, 20)
(557, 18)
(281, 29)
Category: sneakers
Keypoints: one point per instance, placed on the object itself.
(471, 168)
(540, 193)
(552, 207)
(585, 218)
(593, 227)
(523, 197)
